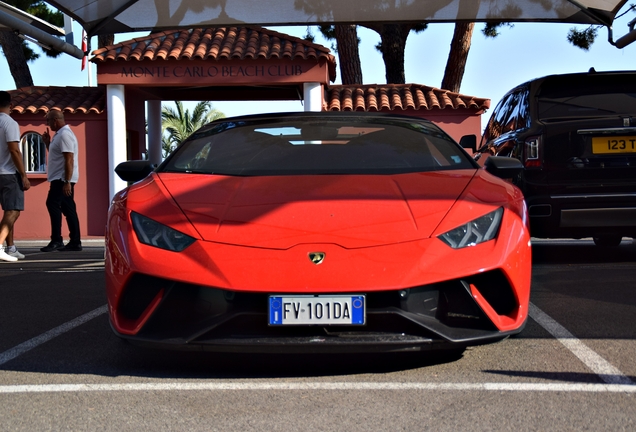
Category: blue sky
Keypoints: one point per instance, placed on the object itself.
(520, 53)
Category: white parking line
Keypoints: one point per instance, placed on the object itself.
(97, 263)
(32, 261)
(590, 358)
(615, 379)
(72, 270)
(45, 337)
(339, 386)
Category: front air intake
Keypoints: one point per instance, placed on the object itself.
(496, 290)
(139, 293)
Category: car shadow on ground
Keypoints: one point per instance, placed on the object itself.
(157, 363)
(147, 363)
(95, 351)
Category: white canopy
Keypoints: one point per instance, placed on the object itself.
(120, 16)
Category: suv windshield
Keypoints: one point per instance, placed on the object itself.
(593, 97)
(313, 145)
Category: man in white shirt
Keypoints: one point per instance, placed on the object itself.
(62, 174)
(13, 178)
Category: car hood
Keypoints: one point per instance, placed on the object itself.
(352, 211)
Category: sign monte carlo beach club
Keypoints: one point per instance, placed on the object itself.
(214, 57)
(206, 73)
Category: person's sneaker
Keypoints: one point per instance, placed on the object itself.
(52, 246)
(13, 251)
(71, 248)
(5, 256)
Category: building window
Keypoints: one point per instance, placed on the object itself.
(33, 152)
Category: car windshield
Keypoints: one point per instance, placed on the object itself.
(597, 96)
(315, 145)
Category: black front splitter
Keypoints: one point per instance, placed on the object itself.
(310, 345)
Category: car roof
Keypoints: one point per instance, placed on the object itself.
(574, 79)
(328, 115)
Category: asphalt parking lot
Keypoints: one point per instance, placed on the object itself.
(572, 368)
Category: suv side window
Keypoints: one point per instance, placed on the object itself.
(521, 120)
(495, 126)
(523, 113)
(510, 115)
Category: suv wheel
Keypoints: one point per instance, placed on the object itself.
(607, 240)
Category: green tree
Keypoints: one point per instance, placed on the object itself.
(17, 52)
(347, 41)
(457, 57)
(392, 38)
(177, 124)
(393, 45)
(584, 38)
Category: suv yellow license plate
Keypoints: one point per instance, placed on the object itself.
(613, 144)
(317, 310)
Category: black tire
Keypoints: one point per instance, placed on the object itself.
(607, 240)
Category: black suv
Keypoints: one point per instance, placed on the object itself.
(576, 137)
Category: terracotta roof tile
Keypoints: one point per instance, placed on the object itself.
(30, 100)
(216, 43)
(393, 97)
(139, 50)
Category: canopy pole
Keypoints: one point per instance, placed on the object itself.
(154, 131)
(43, 37)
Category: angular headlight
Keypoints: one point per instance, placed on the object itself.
(155, 234)
(474, 232)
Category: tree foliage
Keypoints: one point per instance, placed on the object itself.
(347, 42)
(177, 124)
(583, 38)
(579, 38)
(392, 45)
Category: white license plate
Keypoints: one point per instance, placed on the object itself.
(319, 309)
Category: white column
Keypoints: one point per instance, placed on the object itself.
(116, 104)
(312, 93)
(154, 131)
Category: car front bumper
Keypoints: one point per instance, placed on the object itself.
(437, 316)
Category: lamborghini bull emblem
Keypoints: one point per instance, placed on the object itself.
(317, 257)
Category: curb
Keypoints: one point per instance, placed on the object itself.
(95, 242)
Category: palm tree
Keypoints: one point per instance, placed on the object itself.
(177, 124)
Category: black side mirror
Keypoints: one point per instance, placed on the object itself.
(503, 167)
(132, 171)
(469, 142)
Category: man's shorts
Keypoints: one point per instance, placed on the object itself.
(11, 193)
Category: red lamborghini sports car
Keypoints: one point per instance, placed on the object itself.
(318, 232)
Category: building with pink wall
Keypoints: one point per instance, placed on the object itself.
(83, 108)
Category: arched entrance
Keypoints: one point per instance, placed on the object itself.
(227, 63)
